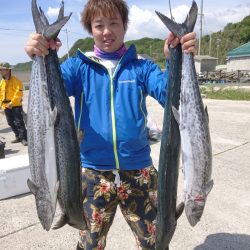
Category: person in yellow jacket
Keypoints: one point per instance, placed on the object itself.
(11, 94)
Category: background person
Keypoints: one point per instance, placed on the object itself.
(110, 85)
(11, 94)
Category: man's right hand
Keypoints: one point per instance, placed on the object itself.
(38, 45)
(188, 43)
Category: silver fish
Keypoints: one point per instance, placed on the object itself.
(194, 128)
(41, 146)
(66, 144)
(44, 183)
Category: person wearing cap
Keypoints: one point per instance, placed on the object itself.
(11, 94)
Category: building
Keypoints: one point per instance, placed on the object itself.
(239, 58)
(204, 63)
(145, 56)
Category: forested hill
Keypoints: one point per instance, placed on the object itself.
(232, 36)
(149, 46)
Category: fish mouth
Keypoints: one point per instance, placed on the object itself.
(46, 224)
(45, 211)
(193, 220)
(194, 211)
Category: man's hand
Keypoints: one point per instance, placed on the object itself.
(188, 43)
(38, 45)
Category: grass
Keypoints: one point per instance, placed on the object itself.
(225, 94)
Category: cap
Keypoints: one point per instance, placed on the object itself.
(5, 65)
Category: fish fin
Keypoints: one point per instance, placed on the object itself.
(61, 17)
(44, 19)
(41, 22)
(176, 114)
(39, 25)
(208, 187)
(62, 221)
(52, 31)
(32, 186)
(206, 112)
(61, 11)
(191, 17)
(181, 29)
(179, 210)
(178, 29)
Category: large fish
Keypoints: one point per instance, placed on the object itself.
(168, 169)
(65, 141)
(41, 146)
(66, 144)
(44, 182)
(193, 122)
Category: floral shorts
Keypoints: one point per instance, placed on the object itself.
(134, 191)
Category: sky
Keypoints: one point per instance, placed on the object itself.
(16, 23)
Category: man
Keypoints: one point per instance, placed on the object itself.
(11, 94)
(110, 85)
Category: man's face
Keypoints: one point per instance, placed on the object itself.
(5, 73)
(108, 32)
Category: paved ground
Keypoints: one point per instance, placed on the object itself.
(225, 223)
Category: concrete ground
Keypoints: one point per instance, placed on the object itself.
(225, 223)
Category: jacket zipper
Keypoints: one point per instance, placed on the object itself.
(117, 164)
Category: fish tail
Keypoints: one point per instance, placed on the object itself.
(41, 22)
(179, 210)
(181, 29)
(61, 11)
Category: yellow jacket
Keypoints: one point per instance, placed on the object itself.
(11, 92)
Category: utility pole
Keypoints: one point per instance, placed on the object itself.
(67, 42)
(201, 16)
(210, 44)
(217, 48)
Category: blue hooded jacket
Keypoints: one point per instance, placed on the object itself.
(110, 109)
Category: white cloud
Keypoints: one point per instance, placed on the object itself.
(52, 12)
(145, 23)
(142, 23)
(215, 20)
(180, 13)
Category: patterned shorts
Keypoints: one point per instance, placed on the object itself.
(134, 191)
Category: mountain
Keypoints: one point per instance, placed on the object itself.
(82, 44)
(232, 36)
(23, 66)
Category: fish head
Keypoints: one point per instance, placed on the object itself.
(194, 208)
(195, 203)
(45, 208)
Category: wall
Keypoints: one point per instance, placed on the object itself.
(240, 63)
